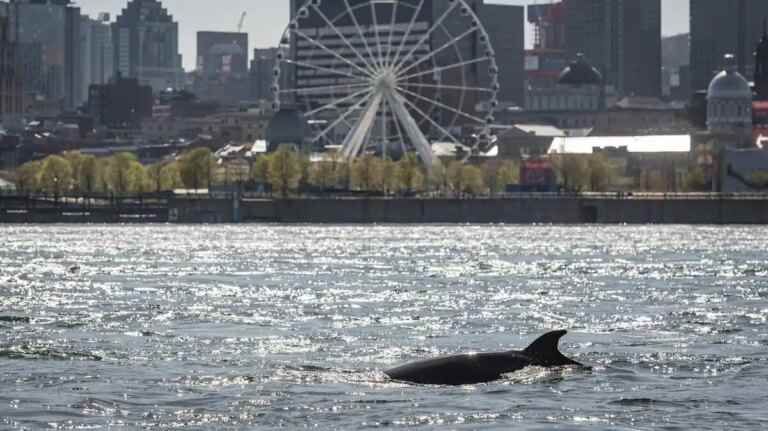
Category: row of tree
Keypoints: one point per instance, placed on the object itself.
(285, 170)
(289, 171)
(73, 172)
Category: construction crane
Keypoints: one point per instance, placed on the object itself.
(241, 22)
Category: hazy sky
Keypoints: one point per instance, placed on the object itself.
(267, 18)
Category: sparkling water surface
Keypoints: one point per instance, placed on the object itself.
(266, 327)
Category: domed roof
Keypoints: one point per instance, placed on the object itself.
(729, 84)
(286, 127)
(580, 72)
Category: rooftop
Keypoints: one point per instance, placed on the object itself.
(541, 130)
(632, 144)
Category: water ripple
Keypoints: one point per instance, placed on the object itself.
(240, 327)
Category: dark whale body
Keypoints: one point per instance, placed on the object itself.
(483, 367)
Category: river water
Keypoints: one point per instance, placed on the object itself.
(266, 327)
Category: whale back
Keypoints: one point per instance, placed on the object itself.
(545, 352)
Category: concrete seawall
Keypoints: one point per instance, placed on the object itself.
(520, 210)
(526, 210)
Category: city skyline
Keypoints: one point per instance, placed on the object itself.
(267, 19)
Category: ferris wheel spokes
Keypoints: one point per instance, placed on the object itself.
(426, 37)
(392, 26)
(341, 118)
(408, 31)
(400, 136)
(344, 39)
(333, 53)
(418, 140)
(440, 128)
(339, 102)
(354, 141)
(443, 106)
(442, 68)
(432, 54)
(351, 13)
(444, 87)
(322, 89)
(324, 69)
(375, 29)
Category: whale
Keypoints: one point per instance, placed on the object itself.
(475, 368)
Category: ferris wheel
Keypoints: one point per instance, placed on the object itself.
(388, 76)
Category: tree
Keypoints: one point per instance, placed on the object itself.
(89, 174)
(438, 178)
(571, 169)
(260, 172)
(103, 174)
(344, 175)
(196, 168)
(367, 173)
(455, 176)
(118, 175)
(238, 171)
(284, 170)
(389, 179)
(409, 174)
(126, 175)
(508, 173)
(139, 180)
(759, 179)
(473, 180)
(154, 172)
(305, 166)
(323, 174)
(500, 174)
(56, 175)
(601, 172)
(170, 177)
(653, 180)
(28, 176)
(696, 180)
(75, 160)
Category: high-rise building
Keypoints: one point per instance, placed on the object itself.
(724, 27)
(86, 42)
(102, 50)
(549, 55)
(48, 33)
(11, 94)
(222, 67)
(122, 103)
(146, 41)
(262, 67)
(73, 64)
(548, 21)
(675, 58)
(505, 25)
(222, 55)
(96, 53)
(622, 38)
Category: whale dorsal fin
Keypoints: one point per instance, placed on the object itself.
(544, 350)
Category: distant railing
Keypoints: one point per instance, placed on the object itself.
(84, 199)
(162, 198)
